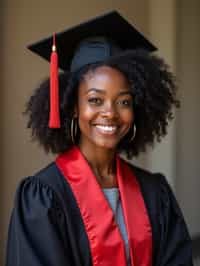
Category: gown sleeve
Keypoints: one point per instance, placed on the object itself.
(36, 235)
(175, 244)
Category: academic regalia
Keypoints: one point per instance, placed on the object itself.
(61, 216)
(48, 227)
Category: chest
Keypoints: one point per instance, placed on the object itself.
(77, 236)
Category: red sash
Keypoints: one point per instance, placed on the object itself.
(106, 243)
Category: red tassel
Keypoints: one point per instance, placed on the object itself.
(54, 116)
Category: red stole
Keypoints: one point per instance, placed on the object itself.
(106, 243)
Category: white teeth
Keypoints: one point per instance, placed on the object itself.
(106, 128)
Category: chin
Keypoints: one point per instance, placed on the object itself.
(106, 144)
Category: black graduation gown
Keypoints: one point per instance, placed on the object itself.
(46, 228)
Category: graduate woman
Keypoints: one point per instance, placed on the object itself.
(90, 207)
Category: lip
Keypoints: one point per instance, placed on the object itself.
(106, 125)
(106, 129)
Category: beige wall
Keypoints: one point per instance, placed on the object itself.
(188, 119)
(24, 22)
(1, 140)
(162, 27)
(27, 21)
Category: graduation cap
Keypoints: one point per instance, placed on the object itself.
(96, 40)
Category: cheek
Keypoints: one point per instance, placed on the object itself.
(86, 115)
(83, 110)
(127, 116)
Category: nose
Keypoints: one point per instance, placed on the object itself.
(109, 111)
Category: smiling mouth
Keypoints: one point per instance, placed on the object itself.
(106, 129)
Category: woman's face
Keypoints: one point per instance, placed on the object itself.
(104, 109)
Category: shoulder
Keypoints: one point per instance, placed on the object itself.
(51, 177)
(42, 188)
(147, 178)
(155, 188)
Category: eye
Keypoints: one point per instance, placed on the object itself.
(125, 102)
(95, 100)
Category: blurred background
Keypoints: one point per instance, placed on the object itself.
(172, 25)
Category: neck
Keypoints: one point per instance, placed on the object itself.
(103, 163)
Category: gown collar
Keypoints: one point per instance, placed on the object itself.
(106, 243)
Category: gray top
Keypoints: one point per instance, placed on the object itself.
(113, 197)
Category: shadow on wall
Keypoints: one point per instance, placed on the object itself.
(196, 250)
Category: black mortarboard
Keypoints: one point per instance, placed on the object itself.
(110, 25)
(93, 41)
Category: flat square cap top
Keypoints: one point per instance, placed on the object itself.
(110, 25)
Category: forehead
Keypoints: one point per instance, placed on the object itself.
(105, 78)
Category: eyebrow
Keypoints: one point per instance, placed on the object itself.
(103, 91)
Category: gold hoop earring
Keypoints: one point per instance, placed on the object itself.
(73, 129)
(134, 133)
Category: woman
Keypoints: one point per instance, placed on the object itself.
(90, 207)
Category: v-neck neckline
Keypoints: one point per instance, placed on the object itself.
(105, 238)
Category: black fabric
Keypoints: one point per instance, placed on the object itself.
(90, 50)
(110, 25)
(171, 240)
(46, 228)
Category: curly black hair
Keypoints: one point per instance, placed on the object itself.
(154, 92)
